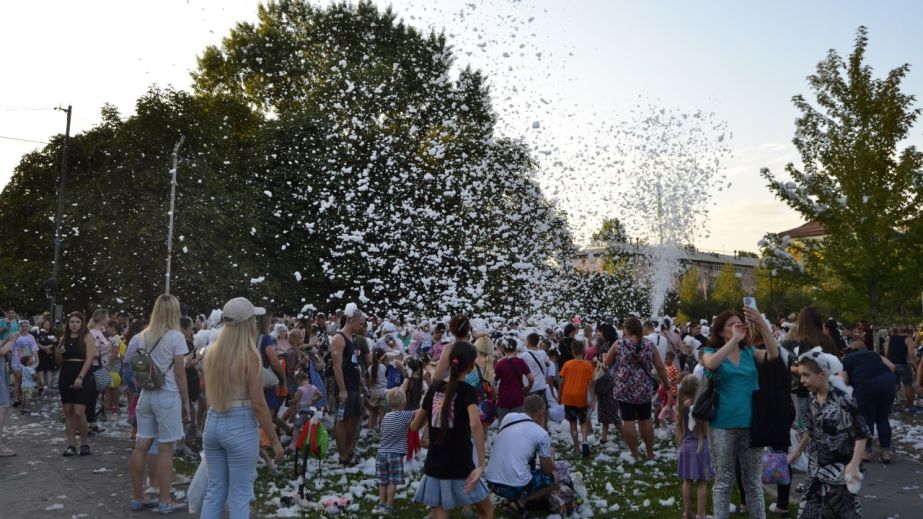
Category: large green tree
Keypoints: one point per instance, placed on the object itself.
(859, 183)
(117, 203)
(380, 157)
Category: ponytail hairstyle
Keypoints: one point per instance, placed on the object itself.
(460, 361)
(460, 327)
(376, 360)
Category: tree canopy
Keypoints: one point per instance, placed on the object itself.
(859, 183)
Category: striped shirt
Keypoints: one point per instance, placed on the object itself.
(394, 431)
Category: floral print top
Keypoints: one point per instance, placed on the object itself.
(634, 363)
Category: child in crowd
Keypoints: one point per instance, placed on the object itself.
(306, 395)
(415, 384)
(835, 440)
(553, 355)
(693, 460)
(576, 377)
(378, 388)
(28, 382)
(389, 463)
(668, 413)
(509, 372)
(450, 408)
(265, 444)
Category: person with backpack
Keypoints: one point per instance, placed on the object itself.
(158, 368)
(509, 472)
(538, 363)
(237, 408)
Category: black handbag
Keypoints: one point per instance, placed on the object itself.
(706, 405)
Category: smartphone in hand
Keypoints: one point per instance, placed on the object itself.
(750, 301)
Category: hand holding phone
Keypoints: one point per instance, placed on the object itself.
(750, 301)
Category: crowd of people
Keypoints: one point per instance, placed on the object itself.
(479, 396)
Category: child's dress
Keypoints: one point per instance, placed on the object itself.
(692, 463)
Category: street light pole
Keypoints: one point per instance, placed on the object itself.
(62, 181)
(172, 209)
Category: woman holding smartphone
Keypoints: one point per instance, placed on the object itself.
(733, 364)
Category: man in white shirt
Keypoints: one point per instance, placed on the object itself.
(654, 336)
(520, 438)
(539, 366)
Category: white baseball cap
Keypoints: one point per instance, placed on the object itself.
(238, 310)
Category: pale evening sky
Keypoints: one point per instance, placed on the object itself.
(741, 60)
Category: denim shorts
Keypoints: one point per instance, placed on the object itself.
(539, 481)
(160, 415)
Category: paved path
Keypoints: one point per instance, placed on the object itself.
(39, 482)
(888, 491)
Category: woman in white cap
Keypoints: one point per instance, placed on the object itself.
(237, 408)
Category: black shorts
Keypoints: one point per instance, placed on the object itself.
(633, 412)
(70, 395)
(575, 414)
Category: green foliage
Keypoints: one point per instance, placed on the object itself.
(692, 302)
(117, 200)
(611, 230)
(859, 184)
(378, 157)
(728, 292)
(332, 154)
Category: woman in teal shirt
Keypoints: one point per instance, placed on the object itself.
(733, 363)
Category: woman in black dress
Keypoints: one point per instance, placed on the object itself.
(46, 363)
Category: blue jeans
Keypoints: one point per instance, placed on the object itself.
(231, 442)
(874, 398)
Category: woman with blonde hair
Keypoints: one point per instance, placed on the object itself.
(484, 363)
(161, 408)
(237, 409)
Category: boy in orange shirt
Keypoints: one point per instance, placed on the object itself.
(576, 377)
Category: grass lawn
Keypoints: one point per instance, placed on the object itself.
(609, 485)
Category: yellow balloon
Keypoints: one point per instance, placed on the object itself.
(116, 380)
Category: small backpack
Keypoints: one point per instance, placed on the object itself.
(146, 374)
(394, 375)
(487, 400)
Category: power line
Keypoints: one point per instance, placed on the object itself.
(14, 109)
(23, 140)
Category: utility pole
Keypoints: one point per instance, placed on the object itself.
(62, 182)
(172, 208)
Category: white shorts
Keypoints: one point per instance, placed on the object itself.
(160, 415)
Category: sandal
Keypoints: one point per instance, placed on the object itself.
(70, 451)
(85, 450)
(514, 509)
(886, 460)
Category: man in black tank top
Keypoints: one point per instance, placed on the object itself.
(900, 350)
(346, 371)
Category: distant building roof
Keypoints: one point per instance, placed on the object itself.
(809, 230)
(696, 256)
